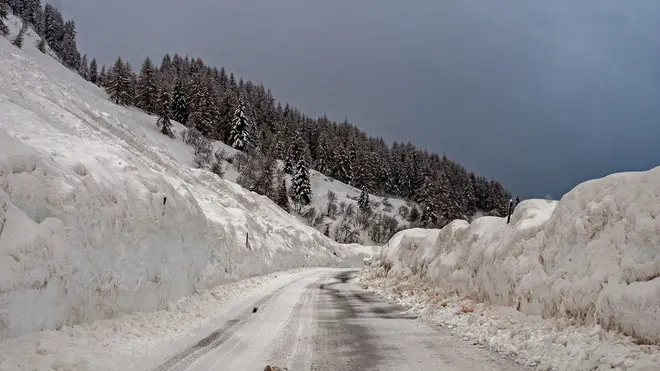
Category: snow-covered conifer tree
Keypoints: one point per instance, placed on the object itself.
(240, 130)
(363, 201)
(118, 83)
(179, 106)
(147, 88)
(83, 69)
(164, 113)
(302, 189)
(93, 72)
(18, 41)
(3, 16)
(282, 196)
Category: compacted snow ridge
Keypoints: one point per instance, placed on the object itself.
(101, 215)
(568, 285)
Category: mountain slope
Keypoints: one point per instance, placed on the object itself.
(345, 196)
(102, 215)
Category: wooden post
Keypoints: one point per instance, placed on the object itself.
(246, 240)
(508, 218)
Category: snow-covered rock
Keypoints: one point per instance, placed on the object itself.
(593, 257)
(101, 215)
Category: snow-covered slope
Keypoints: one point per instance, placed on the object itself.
(345, 195)
(101, 215)
(593, 257)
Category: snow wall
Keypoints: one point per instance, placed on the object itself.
(594, 256)
(100, 215)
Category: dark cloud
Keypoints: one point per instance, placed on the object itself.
(541, 95)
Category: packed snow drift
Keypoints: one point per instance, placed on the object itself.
(593, 257)
(101, 215)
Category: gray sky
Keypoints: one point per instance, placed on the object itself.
(540, 95)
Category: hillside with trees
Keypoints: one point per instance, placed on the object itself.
(217, 106)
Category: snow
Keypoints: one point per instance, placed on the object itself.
(567, 285)
(101, 215)
(142, 340)
(321, 184)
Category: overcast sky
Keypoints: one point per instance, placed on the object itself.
(541, 95)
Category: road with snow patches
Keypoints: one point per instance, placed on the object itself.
(326, 321)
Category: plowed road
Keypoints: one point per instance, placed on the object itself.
(326, 321)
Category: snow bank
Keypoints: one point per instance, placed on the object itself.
(141, 341)
(556, 343)
(101, 215)
(594, 257)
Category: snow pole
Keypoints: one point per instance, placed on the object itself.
(508, 218)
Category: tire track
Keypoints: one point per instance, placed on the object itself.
(292, 332)
(185, 358)
(340, 343)
(302, 356)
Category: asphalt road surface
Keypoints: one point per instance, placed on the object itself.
(326, 321)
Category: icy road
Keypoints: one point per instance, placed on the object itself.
(326, 321)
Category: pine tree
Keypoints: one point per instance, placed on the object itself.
(429, 214)
(68, 50)
(42, 45)
(18, 41)
(226, 115)
(17, 6)
(297, 150)
(322, 157)
(430, 194)
(497, 199)
(53, 27)
(164, 114)
(38, 22)
(264, 180)
(363, 201)
(332, 204)
(344, 168)
(147, 90)
(3, 16)
(283, 196)
(352, 160)
(469, 195)
(32, 13)
(103, 77)
(93, 72)
(179, 105)
(288, 162)
(240, 135)
(204, 114)
(413, 217)
(132, 85)
(83, 69)
(166, 65)
(302, 188)
(118, 84)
